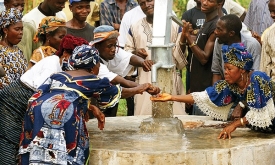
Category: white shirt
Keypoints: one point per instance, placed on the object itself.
(230, 6)
(117, 66)
(36, 16)
(2, 6)
(36, 75)
(130, 17)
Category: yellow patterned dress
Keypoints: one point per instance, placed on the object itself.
(13, 62)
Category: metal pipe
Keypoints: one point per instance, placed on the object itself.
(177, 20)
(154, 71)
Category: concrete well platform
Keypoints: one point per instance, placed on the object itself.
(121, 143)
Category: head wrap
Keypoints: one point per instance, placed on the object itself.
(83, 57)
(69, 42)
(10, 16)
(237, 55)
(48, 24)
(104, 32)
(72, 1)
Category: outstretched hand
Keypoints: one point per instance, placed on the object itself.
(161, 97)
(99, 115)
(142, 87)
(226, 132)
(152, 90)
(147, 64)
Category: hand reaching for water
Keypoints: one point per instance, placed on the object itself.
(99, 115)
(152, 90)
(147, 64)
(161, 97)
(226, 132)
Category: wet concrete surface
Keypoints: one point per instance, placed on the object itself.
(122, 143)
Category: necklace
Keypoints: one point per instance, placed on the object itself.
(246, 83)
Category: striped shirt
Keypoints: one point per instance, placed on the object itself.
(109, 11)
(258, 16)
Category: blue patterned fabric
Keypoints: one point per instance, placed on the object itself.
(54, 130)
(259, 97)
(237, 55)
(83, 56)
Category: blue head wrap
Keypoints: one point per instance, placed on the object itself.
(237, 55)
(83, 57)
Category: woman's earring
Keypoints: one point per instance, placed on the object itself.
(5, 35)
(242, 76)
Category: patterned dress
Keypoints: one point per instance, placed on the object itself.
(42, 52)
(216, 101)
(13, 62)
(13, 99)
(54, 130)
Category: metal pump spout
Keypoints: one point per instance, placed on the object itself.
(154, 69)
(162, 56)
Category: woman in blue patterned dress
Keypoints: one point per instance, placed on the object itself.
(54, 130)
(254, 90)
(14, 98)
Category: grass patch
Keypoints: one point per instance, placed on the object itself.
(122, 108)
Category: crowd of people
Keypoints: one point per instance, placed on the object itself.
(58, 69)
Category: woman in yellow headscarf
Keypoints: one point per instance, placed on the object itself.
(50, 32)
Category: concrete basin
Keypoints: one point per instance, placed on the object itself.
(121, 143)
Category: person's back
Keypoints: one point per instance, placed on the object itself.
(60, 106)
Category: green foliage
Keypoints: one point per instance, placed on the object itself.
(244, 3)
(179, 7)
(122, 108)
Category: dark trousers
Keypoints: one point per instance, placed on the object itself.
(111, 112)
(130, 106)
(130, 101)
